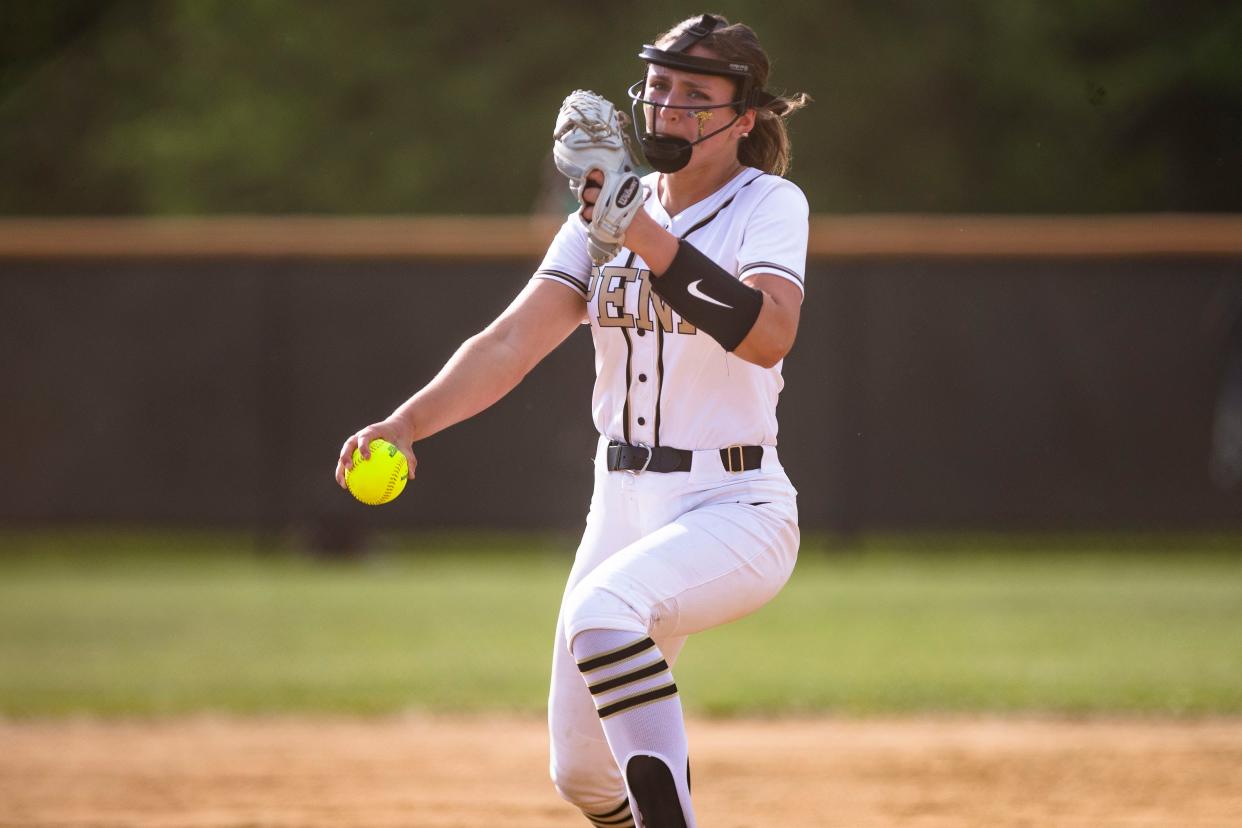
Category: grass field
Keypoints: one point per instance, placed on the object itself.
(150, 623)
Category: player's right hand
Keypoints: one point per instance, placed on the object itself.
(393, 430)
(590, 194)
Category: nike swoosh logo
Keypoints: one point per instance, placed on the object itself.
(693, 290)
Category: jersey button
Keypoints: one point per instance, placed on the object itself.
(641, 332)
(642, 420)
(642, 377)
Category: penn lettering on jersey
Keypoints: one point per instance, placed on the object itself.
(608, 291)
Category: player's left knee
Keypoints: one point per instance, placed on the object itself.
(592, 607)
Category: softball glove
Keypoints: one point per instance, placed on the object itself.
(592, 135)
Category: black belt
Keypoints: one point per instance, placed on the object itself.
(624, 457)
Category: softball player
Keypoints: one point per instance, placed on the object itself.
(692, 522)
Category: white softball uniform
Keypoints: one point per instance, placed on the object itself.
(669, 554)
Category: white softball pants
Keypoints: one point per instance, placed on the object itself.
(663, 555)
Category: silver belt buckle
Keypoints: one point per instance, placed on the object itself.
(730, 466)
(650, 454)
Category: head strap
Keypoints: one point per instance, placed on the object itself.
(675, 57)
(697, 65)
(707, 24)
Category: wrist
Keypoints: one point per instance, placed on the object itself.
(653, 243)
(402, 422)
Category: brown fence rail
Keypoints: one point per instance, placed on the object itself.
(508, 237)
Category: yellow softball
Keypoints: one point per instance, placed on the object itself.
(379, 479)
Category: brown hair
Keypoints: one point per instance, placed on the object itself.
(768, 147)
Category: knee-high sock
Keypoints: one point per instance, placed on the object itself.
(638, 705)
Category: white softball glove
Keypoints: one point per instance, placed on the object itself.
(592, 135)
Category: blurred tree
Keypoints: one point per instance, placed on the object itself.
(399, 106)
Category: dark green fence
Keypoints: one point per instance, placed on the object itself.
(922, 393)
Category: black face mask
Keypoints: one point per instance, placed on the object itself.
(666, 153)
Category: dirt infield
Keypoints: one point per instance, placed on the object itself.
(490, 772)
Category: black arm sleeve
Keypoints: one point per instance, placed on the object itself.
(708, 297)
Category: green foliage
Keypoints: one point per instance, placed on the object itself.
(160, 624)
(408, 106)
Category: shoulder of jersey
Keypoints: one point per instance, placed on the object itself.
(756, 181)
(766, 183)
(773, 193)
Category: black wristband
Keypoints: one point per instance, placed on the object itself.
(708, 296)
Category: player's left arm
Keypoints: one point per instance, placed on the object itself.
(776, 326)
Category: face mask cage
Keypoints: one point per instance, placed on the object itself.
(635, 93)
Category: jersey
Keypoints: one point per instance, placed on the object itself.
(659, 380)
